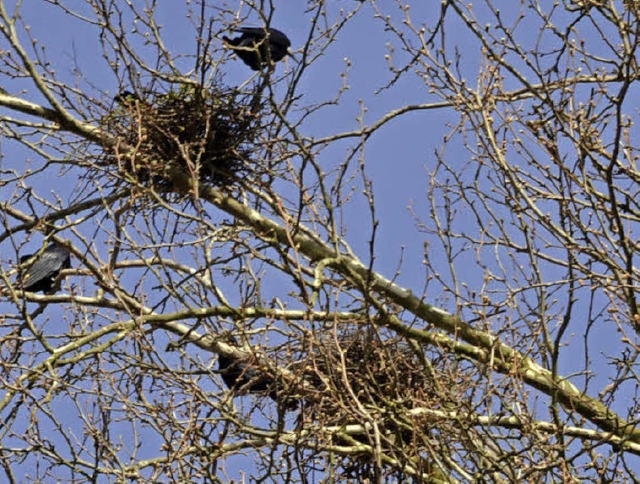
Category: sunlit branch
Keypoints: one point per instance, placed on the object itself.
(499, 356)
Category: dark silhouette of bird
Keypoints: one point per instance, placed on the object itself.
(241, 376)
(41, 270)
(258, 46)
(125, 97)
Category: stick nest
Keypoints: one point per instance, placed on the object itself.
(362, 368)
(384, 377)
(206, 134)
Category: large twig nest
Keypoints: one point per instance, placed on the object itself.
(360, 377)
(361, 368)
(205, 134)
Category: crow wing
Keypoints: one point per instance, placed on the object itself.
(45, 268)
(276, 37)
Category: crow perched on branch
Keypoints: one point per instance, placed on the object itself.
(126, 98)
(41, 270)
(241, 376)
(258, 46)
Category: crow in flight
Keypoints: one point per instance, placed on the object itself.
(41, 270)
(258, 46)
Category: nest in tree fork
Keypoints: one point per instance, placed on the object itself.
(205, 134)
(376, 371)
(387, 377)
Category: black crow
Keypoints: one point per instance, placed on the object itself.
(126, 97)
(257, 46)
(40, 274)
(239, 375)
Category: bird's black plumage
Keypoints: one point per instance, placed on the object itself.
(239, 375)
(126, 97)
(257, 46)
(40, 274)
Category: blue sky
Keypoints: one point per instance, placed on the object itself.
(398, 158)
